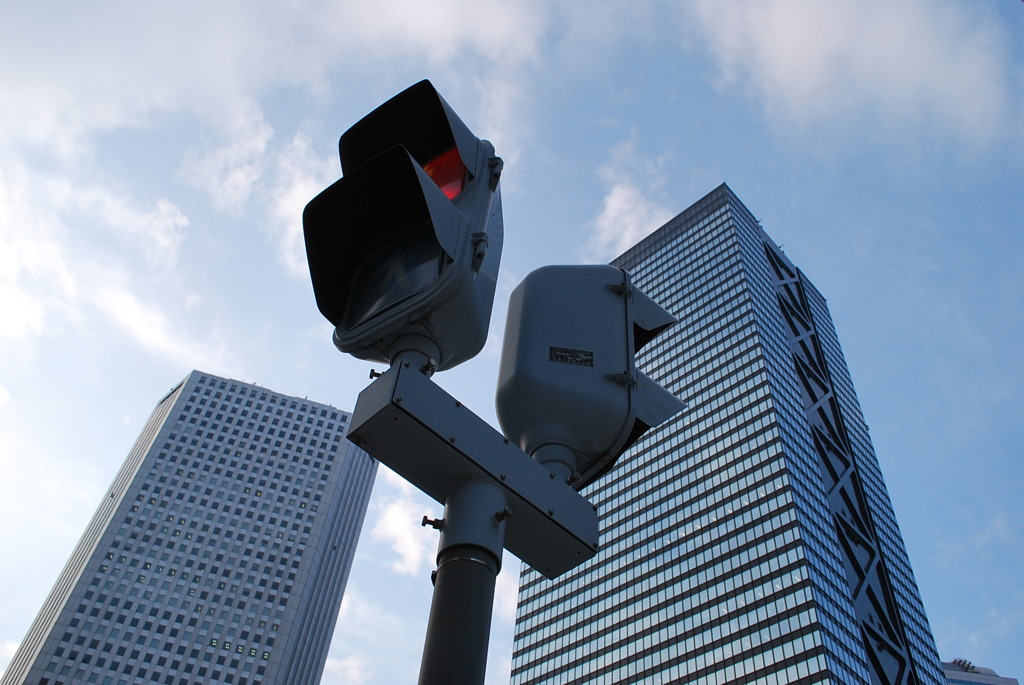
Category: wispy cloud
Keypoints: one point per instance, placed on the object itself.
(629, 211)
(50, 218)
(33, 268)
(229, 173)
(300, 176)
(365, 621)
(923, 63)
(73, 78)
(156, 233)
(396, 524)
(506, 590)
(7, 650)
(66, 483)
(443, 31)
(978, 632)
(152, 330)
(21, 314)
(351, 670)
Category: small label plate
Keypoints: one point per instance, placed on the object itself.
(565, 355)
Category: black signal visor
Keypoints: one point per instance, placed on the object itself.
(419, 119)
(388, 203)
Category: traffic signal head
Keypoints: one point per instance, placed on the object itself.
(403, 250)
(569, 392)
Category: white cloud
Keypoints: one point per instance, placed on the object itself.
(33, 267)
(628, 212)
(506, 589)
(21, 314)
(192, 301)
(7, 650)
(442, 31)
(301, 176)
(356, 609)
(980, 633)
(157, 233)
(398, 526)
(350, 670)
(152, 330)
(44, 205)
(110, 66)
(999, 532)
(40, 281)
(5, 397)
(922, 62)
(229, 173)
(369, 620)
(68, 485)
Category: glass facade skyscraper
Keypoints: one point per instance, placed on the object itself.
(750, 539)
(219, 554)
(963, 672)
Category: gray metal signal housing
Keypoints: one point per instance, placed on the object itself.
(437, 444)
(569, 393)
(396, 262)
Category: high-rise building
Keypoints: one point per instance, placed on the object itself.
(219, 554)
(963, 672)
(750, 539)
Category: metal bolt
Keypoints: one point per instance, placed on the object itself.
(436, 524)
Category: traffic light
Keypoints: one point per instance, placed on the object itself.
(569, 393)
(403, 250)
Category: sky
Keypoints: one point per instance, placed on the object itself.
(155, 158)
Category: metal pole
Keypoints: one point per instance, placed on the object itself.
(468, 562)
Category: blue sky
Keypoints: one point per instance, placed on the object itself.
(155, 159)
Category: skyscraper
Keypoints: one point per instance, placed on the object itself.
(963, 672)
(219, 554)
(750, 539)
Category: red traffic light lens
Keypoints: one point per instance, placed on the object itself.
(448, 172)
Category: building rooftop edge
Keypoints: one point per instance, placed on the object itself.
(253, 384)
